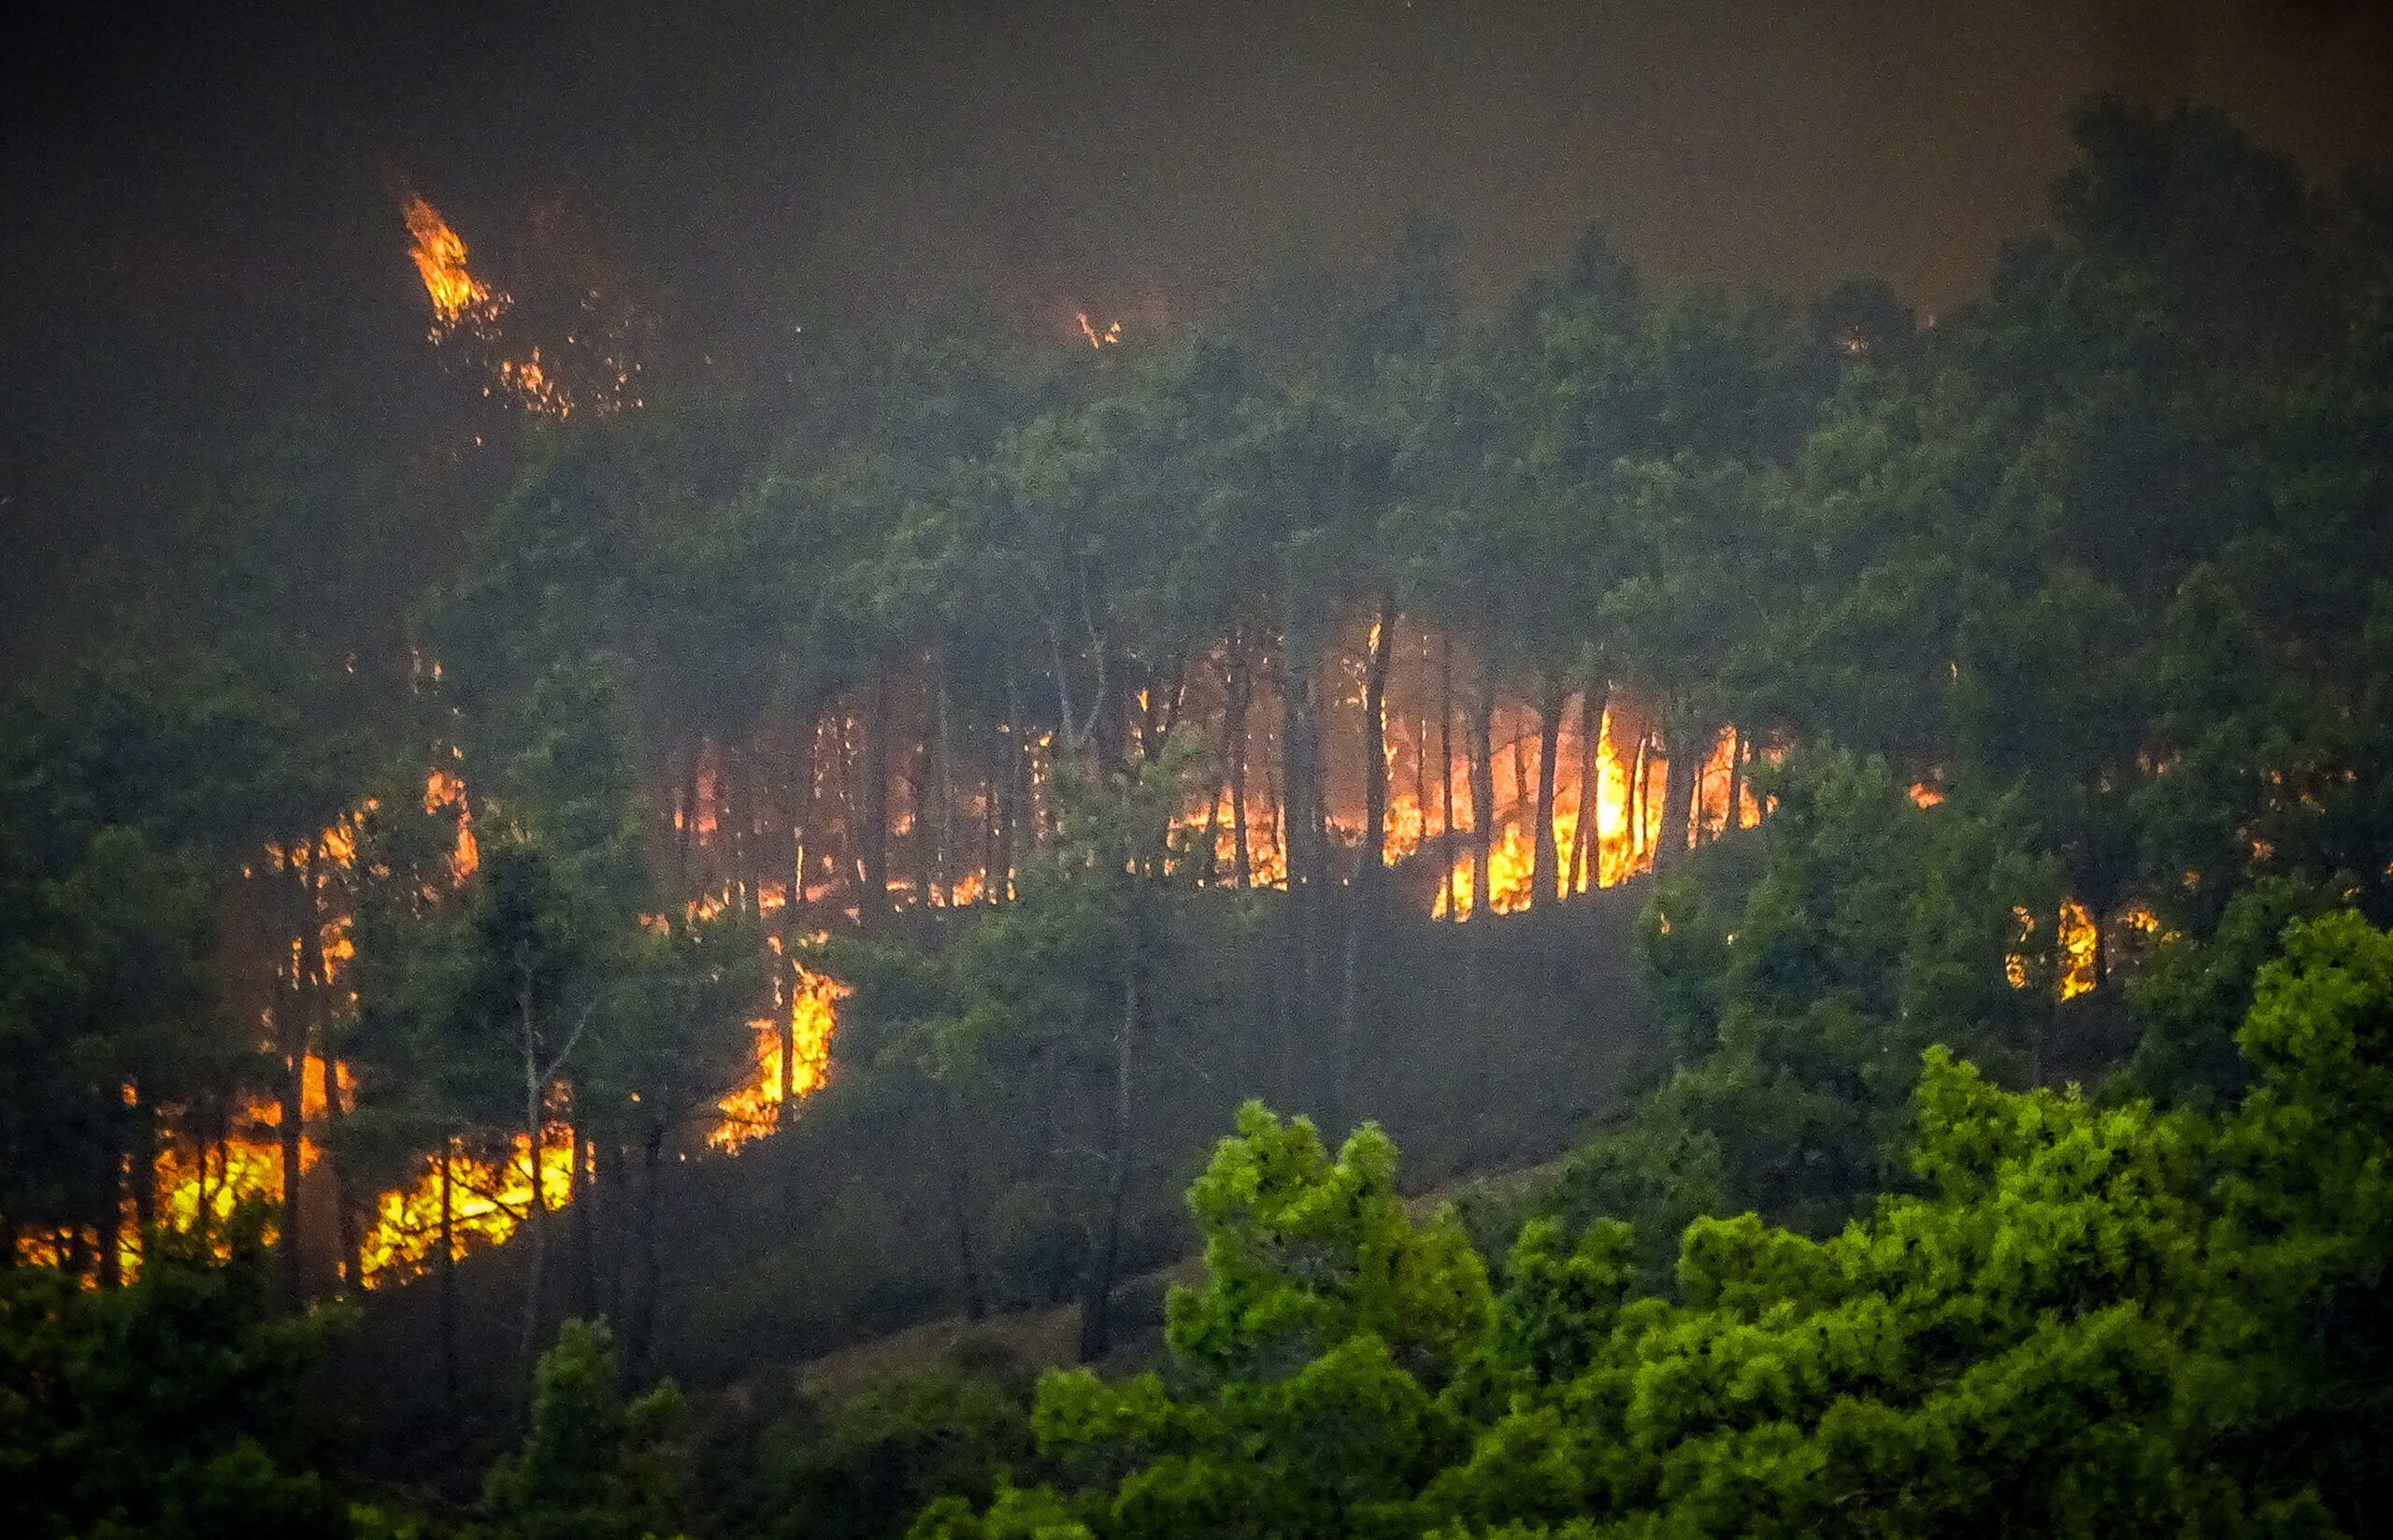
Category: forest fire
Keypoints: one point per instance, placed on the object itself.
(460, 301)
(586, 365)
(789, 1064)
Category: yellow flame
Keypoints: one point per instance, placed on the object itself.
(459, 300)
(754, 1109)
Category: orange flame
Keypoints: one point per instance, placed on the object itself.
(754, 1109)
(460, 301)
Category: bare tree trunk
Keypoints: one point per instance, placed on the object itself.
(352, 1261)
(144, 1175)
(1678, 797)
(292, 1033)
(1017, 789)
(1241, 692)
(577, 1198)
(1096, 1326)
(1732, 821)
(1638, 797)
(447, 1272)
(1370, 859)
(1547, 860)
(959, 1204)
(643, 1322)
(536, 1212)
(801, 823)
(1446, 777)
(1483, 796)
(687, 845)
(1586, 853)
(945, 789)
(873, 905)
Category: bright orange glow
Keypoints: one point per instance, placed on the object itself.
(754, 1109)
(1112, 333)
(443, 790)
(487, 1204)
(465, 306)
(1618, 851)
(2078, 939)
(460, 301)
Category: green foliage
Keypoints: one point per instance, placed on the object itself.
(2086, 1320)
(860, 1466)
(168, 1409)
(590, 1465)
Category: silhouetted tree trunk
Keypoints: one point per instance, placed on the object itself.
(959, 1203)
(1300, 822)
(448, 1271)
(1637, 799)
(292, 1031)
(1732, 820)
(873, 811)
(144, 1175)
(352, 1259)
(1446, 777)
(643, 1314)
(537, 1213)
(686, 837)
(944, 786)
(580, 1192)
(1682, 764)
(1370, 858)
(1096, 1326)
(1483, 796)
(1238, 690)
(1543, 883)
(1017, 789)
(1585, 852)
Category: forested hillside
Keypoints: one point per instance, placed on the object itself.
(831, 838)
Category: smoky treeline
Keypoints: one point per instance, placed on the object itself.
(1023, 752)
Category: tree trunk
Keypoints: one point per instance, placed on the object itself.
(1678, 797)
(292, 1033)
(1638, 795)
(1370, 858)
(944, 789)
(1240, 692)
(643, 1322)
(872, 904)
(1732, 820)
(535, 1213)
(1586, 849)
(352, 1259)
(959, 1205)
(1017, 789)
(1096, 1327)
(447, 1272)
(686, 841)
(1545, 871)
(1446, 777)
(577, 1203)
(1483, 796)
(801, 823)
(144, 1175)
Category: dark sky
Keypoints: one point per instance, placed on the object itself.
(201, 229)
